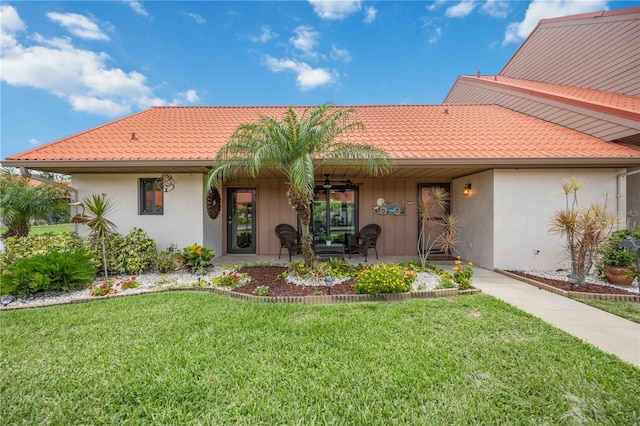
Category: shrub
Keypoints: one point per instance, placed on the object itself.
(132, 254)
(167, 260)
(445, 281)
(16, 248)
(110, 286)
(196, 258)
(52, 271)
(384, 278)
(230, 279)
(462, 274)
(261, 290)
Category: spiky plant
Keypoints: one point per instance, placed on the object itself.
(437, 228)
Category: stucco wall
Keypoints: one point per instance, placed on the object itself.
(475, 214)
(524, 203)
(184, 220)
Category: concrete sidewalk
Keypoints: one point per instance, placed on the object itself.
(605, 331)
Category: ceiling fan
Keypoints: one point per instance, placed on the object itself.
(327, 184)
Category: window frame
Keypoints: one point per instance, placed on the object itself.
(143, 209)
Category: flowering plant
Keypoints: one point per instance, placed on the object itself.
(196, 258)
(384, 278)
(462, 274)
(110, 286)
(231, 279)
(261, 290)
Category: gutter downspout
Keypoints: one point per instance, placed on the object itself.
(72, 191)
(621, 204)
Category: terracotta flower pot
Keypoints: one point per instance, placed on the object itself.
(619, 275)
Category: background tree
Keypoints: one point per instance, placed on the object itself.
(296, 145)
(101, 227)
(23, 200)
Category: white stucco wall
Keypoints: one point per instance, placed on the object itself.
(184, 221)
(524, 203)
(475, 215)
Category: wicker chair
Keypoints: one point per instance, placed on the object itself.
(289, 239)
(364, 240)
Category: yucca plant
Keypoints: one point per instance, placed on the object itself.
(101, 227)
(585, 230)
(437, 228)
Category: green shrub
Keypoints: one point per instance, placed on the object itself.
(445, 281)
(261, 290)
(167, 260)
(384, 278)
(16, 248)
(52, 271)
(196, 258)
(231, 279)
(131, 254)
(462, 274)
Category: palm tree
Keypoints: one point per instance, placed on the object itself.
(21, 201)
(101, 227)
(296, 145)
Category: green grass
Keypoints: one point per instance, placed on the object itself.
(42, 229)
(200, 358)
(628, 310)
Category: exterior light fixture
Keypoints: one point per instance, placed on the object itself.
(327, 182)
(467, 190)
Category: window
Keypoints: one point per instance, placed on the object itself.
(151, 196)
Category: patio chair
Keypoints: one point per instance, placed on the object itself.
(289, 239)
(364, 240)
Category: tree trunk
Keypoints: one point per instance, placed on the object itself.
(302, 205)
(104, 258)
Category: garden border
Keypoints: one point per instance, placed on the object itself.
(574, 294)
(303, 300)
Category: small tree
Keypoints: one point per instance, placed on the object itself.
(437, 228)
(101, 227)
(22, 200)
(585, 229)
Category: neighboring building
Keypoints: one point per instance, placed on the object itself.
(513, 162)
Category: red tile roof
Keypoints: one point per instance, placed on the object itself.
(404, 131)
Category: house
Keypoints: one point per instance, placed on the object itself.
(502, 165)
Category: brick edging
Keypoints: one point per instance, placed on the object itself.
(303, 300)
(575, 294)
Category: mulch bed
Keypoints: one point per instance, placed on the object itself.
(566, 286)
(271, 276)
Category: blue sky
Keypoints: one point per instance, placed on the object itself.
(68, 66)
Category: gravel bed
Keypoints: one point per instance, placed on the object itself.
(591, 278)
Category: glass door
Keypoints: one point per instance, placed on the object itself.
(241, 221)
(334, 214)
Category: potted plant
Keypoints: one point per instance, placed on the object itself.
(618, 263)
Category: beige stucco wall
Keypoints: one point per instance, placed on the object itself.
(184, 221)
(525, 202)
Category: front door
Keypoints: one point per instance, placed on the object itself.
(241, 221)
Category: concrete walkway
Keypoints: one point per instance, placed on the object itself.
(605, 331)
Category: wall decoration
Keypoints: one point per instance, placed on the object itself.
(213, 203)
(384, 208)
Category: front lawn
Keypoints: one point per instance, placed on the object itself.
(624, 309)
(199, 358)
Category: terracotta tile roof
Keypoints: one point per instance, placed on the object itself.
(405, 131)
(614, 103)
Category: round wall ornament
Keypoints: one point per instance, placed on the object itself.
(213, 202)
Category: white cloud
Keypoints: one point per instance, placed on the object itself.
(137, 7)
(81, 77)
(370, 14)
(78, 25)
(190, 97)
(543, 9)
(340, 54)
(434, 5)
(435, 36)
(335, 10)
(264, 36)
(307, 77)
(199, 19)
(460, 10)
(306, 40)
(11, 24)
(34, 142)
(496, 8)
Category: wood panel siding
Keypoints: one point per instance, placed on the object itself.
(591, 52)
